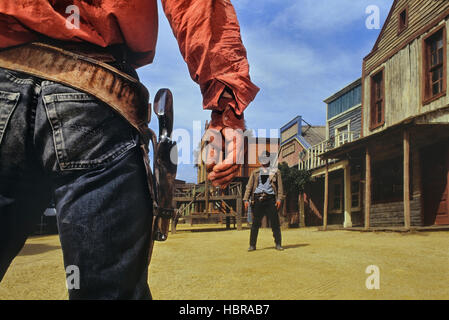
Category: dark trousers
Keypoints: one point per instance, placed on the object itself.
(265, 208)
(57, 141)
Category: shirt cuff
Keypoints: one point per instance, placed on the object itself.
(227, 118)
(244, 92)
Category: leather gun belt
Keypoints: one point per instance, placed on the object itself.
(126, 95)
(123, 93)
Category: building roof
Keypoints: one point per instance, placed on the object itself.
(313, 134)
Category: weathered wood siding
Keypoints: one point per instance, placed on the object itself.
(354, 116)
(420, 12)
(403, 89)
(392, 213)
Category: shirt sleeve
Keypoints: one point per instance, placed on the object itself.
(208, 36)
(249, 187)
(280, 195)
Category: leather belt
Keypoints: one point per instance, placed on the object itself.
(263, 196)
(126, 95)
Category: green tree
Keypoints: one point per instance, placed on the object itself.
(294, 182)
(293, 179)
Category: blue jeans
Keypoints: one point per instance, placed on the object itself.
(57, 141)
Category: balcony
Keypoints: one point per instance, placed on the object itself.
(310, 159)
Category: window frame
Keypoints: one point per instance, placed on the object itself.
(337, 127)
(332, 196)
(426, 87)
(375, 125)
(356, 179)
(403, 27)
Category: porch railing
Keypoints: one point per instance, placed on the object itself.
(310, 159)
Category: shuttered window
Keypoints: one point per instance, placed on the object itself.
(402, 20)
(434, 69)
(377, 113)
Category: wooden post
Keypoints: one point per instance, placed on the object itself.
(326, 195)
(302, 213)
(239, 212)
(206, 195)
(406, 179)
(367, 187)
(173, 224)
(348, 220)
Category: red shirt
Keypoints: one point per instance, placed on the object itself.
(207, 32)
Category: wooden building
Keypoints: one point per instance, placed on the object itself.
(343, 126)
(403, 152)
(296, 137)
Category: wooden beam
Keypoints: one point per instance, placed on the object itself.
(206, 195)
(326, 195)
(348, 220)
(173, 224)
(367, 187)
(239, 204)
(406, 179)
(340, 165)
(302, 213)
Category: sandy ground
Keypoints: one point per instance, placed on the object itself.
(216, 265)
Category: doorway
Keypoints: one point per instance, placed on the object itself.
(435, 169)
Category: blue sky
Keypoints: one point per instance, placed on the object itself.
(300, 52)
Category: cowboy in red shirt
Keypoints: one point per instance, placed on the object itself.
(59, 139)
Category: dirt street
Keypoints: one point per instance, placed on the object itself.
(216, 265)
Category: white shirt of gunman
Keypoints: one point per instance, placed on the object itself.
(264, 182)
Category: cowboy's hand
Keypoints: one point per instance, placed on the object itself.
(226, 148)
(212, 151)
(278, 205)
(246, 205)
(223, 172)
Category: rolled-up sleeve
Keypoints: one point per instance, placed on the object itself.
(208, 35)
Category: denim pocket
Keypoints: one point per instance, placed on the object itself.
(86, 132)
(8, 102)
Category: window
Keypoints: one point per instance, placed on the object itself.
(342, 134)
(377, 99)
(387, 181)
(336, 197)
(345, 102)
(403, 20)
(355, 193)
(434, 60)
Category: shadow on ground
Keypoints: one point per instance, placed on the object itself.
(289, 246)
(31, 249)
(209, 229)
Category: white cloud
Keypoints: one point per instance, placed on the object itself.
(326, 15)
